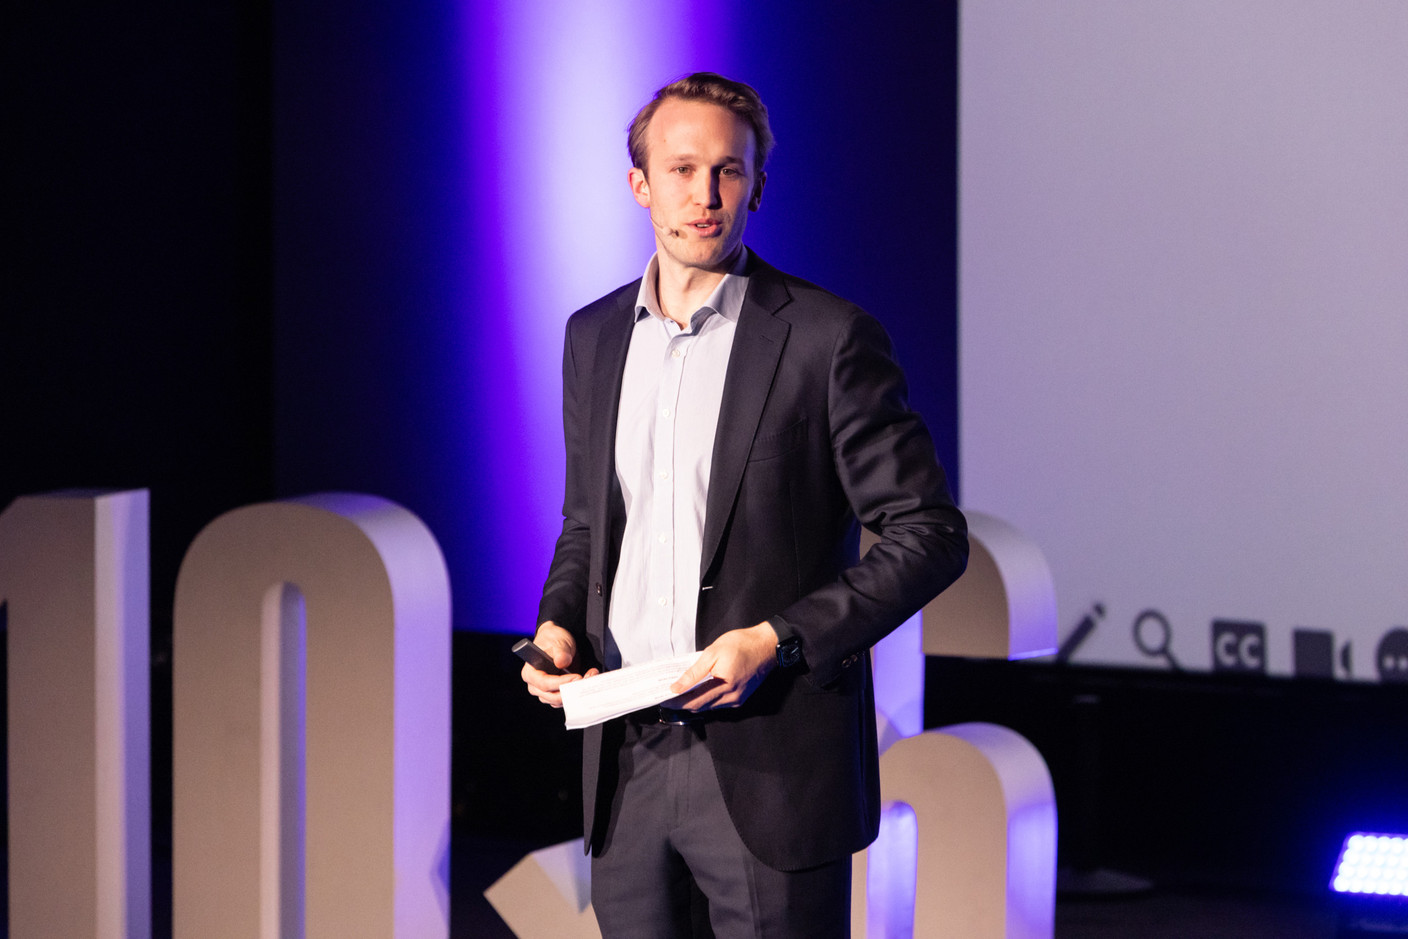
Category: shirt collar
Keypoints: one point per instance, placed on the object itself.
(726, 299)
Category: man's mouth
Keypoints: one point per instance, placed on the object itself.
(706, 226)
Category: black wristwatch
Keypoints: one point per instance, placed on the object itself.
(789, 645)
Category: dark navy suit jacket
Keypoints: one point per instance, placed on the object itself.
(815, 438)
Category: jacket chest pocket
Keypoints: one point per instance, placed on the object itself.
(771, 446)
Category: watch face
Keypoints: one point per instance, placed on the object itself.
(789, 652)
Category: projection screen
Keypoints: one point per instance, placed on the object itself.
(1184, 323)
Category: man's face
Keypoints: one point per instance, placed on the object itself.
(699, 183)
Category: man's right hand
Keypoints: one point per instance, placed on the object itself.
(558, 643)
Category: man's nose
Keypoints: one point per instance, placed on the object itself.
(708, 194)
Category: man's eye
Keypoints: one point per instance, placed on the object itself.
(728, 171)
(681, 170)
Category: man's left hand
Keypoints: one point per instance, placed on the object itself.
(733, 664)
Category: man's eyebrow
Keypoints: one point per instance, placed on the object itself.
(695, 158)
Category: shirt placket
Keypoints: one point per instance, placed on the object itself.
(661, 576)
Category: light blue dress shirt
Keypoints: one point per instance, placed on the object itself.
(666, 421)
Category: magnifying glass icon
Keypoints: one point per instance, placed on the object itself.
(1152, 635)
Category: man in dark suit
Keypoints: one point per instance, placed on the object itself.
(729, 428)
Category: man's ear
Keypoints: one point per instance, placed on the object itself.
(756, 199)
(640, 186)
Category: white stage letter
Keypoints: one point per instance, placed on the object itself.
(74, 581)
(311, 695)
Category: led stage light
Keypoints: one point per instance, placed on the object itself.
(1372, 864)
(1370, 883)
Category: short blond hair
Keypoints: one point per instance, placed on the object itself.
(737, 97)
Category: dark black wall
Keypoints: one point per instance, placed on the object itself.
(135, 332)
(136, 313)
(1234, 781)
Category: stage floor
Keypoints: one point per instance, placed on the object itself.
(1165, 912)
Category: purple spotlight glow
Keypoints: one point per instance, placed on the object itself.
(549, 90)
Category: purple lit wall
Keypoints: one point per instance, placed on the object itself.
(450, 184)
(550, 88)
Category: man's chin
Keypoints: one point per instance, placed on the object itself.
(708, 257)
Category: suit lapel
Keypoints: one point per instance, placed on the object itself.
(610, 366)
(757, 348)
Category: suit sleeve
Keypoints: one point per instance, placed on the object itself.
(565, 590)
(888, 470)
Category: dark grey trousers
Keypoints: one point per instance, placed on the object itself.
(673, 867)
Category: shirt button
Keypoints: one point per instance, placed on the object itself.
(675, 353)
(663, 601)
(664, 412)
(664, 539)
(664, 474)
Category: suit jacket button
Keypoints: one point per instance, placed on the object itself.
(598, 589)
(850, 660)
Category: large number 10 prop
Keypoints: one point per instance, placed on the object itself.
(311, 698)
